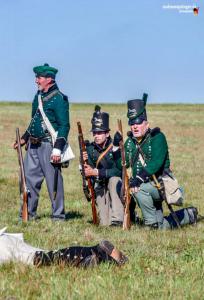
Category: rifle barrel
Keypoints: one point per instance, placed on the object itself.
(22, 178)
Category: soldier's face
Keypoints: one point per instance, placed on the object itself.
(139, 130)
(43, 83)
(100, 137)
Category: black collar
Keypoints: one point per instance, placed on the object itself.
(51, 89)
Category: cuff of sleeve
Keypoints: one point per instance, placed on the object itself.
(144, 175)
(135, 182)
(25, 136)
(115, 148)
(117, 154)
(56, 152)
(102, 173)
(60, 143)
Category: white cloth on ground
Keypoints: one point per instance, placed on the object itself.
(13, 248)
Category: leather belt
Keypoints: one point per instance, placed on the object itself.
(37, 141)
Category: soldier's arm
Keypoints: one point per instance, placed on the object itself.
(90, 151)
(117, 156)
(158, 156)
(62, 118)
(26, 134)
(107, 173)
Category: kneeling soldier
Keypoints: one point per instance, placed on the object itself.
(146, 152)
(101, 167)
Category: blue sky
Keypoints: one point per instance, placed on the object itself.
(106, 51)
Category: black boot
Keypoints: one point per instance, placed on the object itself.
(193, 214)
(153, 226)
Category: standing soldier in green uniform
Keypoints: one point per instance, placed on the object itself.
(102, 168)
(40, 150)
(153, 161)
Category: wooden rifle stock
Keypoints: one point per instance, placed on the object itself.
(125, 194)
(23, 187)
(88, 190)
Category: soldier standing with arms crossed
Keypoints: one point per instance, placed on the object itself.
(40, 149)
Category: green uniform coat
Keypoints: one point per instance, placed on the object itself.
(56, 108)
(107, 186)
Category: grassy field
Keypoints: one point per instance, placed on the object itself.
(162, 264)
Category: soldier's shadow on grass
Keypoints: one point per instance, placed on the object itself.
(68, 216)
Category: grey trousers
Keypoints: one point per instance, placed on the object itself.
(37, 167)
(148, 199)
(110, 207)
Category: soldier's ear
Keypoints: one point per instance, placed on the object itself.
(49, 80)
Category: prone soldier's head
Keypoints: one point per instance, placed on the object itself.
(137, 116)
(100, 126)
(45, 76)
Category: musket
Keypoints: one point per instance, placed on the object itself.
(55, 181)
(161, 190)
(23, 187)
(125, 192)
(86, 181)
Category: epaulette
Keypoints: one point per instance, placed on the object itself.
(155, 131)
(65, 98)
(87, 143)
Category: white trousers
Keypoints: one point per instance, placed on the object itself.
(13, 248)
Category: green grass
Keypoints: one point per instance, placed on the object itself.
(162, 265)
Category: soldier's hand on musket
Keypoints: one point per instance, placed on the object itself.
(117, 139)
(85, 156)
(134, 184)
(134, 190)
(89, 171)
(15, 144)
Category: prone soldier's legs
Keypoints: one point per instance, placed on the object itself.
(117, 208)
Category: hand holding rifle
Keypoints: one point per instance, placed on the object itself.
(125, 192)
(86, 172)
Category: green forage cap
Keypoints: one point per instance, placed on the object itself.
(45, 71)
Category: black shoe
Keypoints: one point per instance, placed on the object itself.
(153, 226)
(110, 250)
(193, 214)
(116, 224)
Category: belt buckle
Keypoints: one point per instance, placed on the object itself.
(34, 140)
